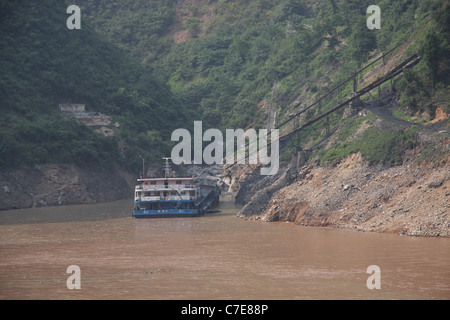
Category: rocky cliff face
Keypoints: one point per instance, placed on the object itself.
(405, 199)
(48, 185)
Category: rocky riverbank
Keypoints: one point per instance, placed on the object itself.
(52, 185)
(406, 200)
(59, 184)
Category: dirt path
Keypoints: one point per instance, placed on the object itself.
(383, 107)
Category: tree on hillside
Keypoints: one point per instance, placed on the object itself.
(362, 40)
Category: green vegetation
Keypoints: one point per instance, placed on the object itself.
(375, 145)
(124, 62)
(137, 26)
(44, 63)
(421, 87)
(401, 114)
(47, 138)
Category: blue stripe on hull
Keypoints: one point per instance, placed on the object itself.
(165, 213)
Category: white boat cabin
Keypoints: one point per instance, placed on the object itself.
(166, 188)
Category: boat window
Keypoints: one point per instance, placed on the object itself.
(153, 182)
(178, 182)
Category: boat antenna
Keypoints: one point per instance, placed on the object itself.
(167, 168)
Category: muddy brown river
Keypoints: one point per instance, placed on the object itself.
(217, 256)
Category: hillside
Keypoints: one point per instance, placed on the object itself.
(44, 64)
(224, 57)
(148, 67)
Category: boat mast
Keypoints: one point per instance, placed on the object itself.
(167, 168)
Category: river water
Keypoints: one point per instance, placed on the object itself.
(217, 256)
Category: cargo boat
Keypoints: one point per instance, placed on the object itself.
(172, 196)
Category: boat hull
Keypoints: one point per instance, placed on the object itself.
(162, 209)
(167, 213)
